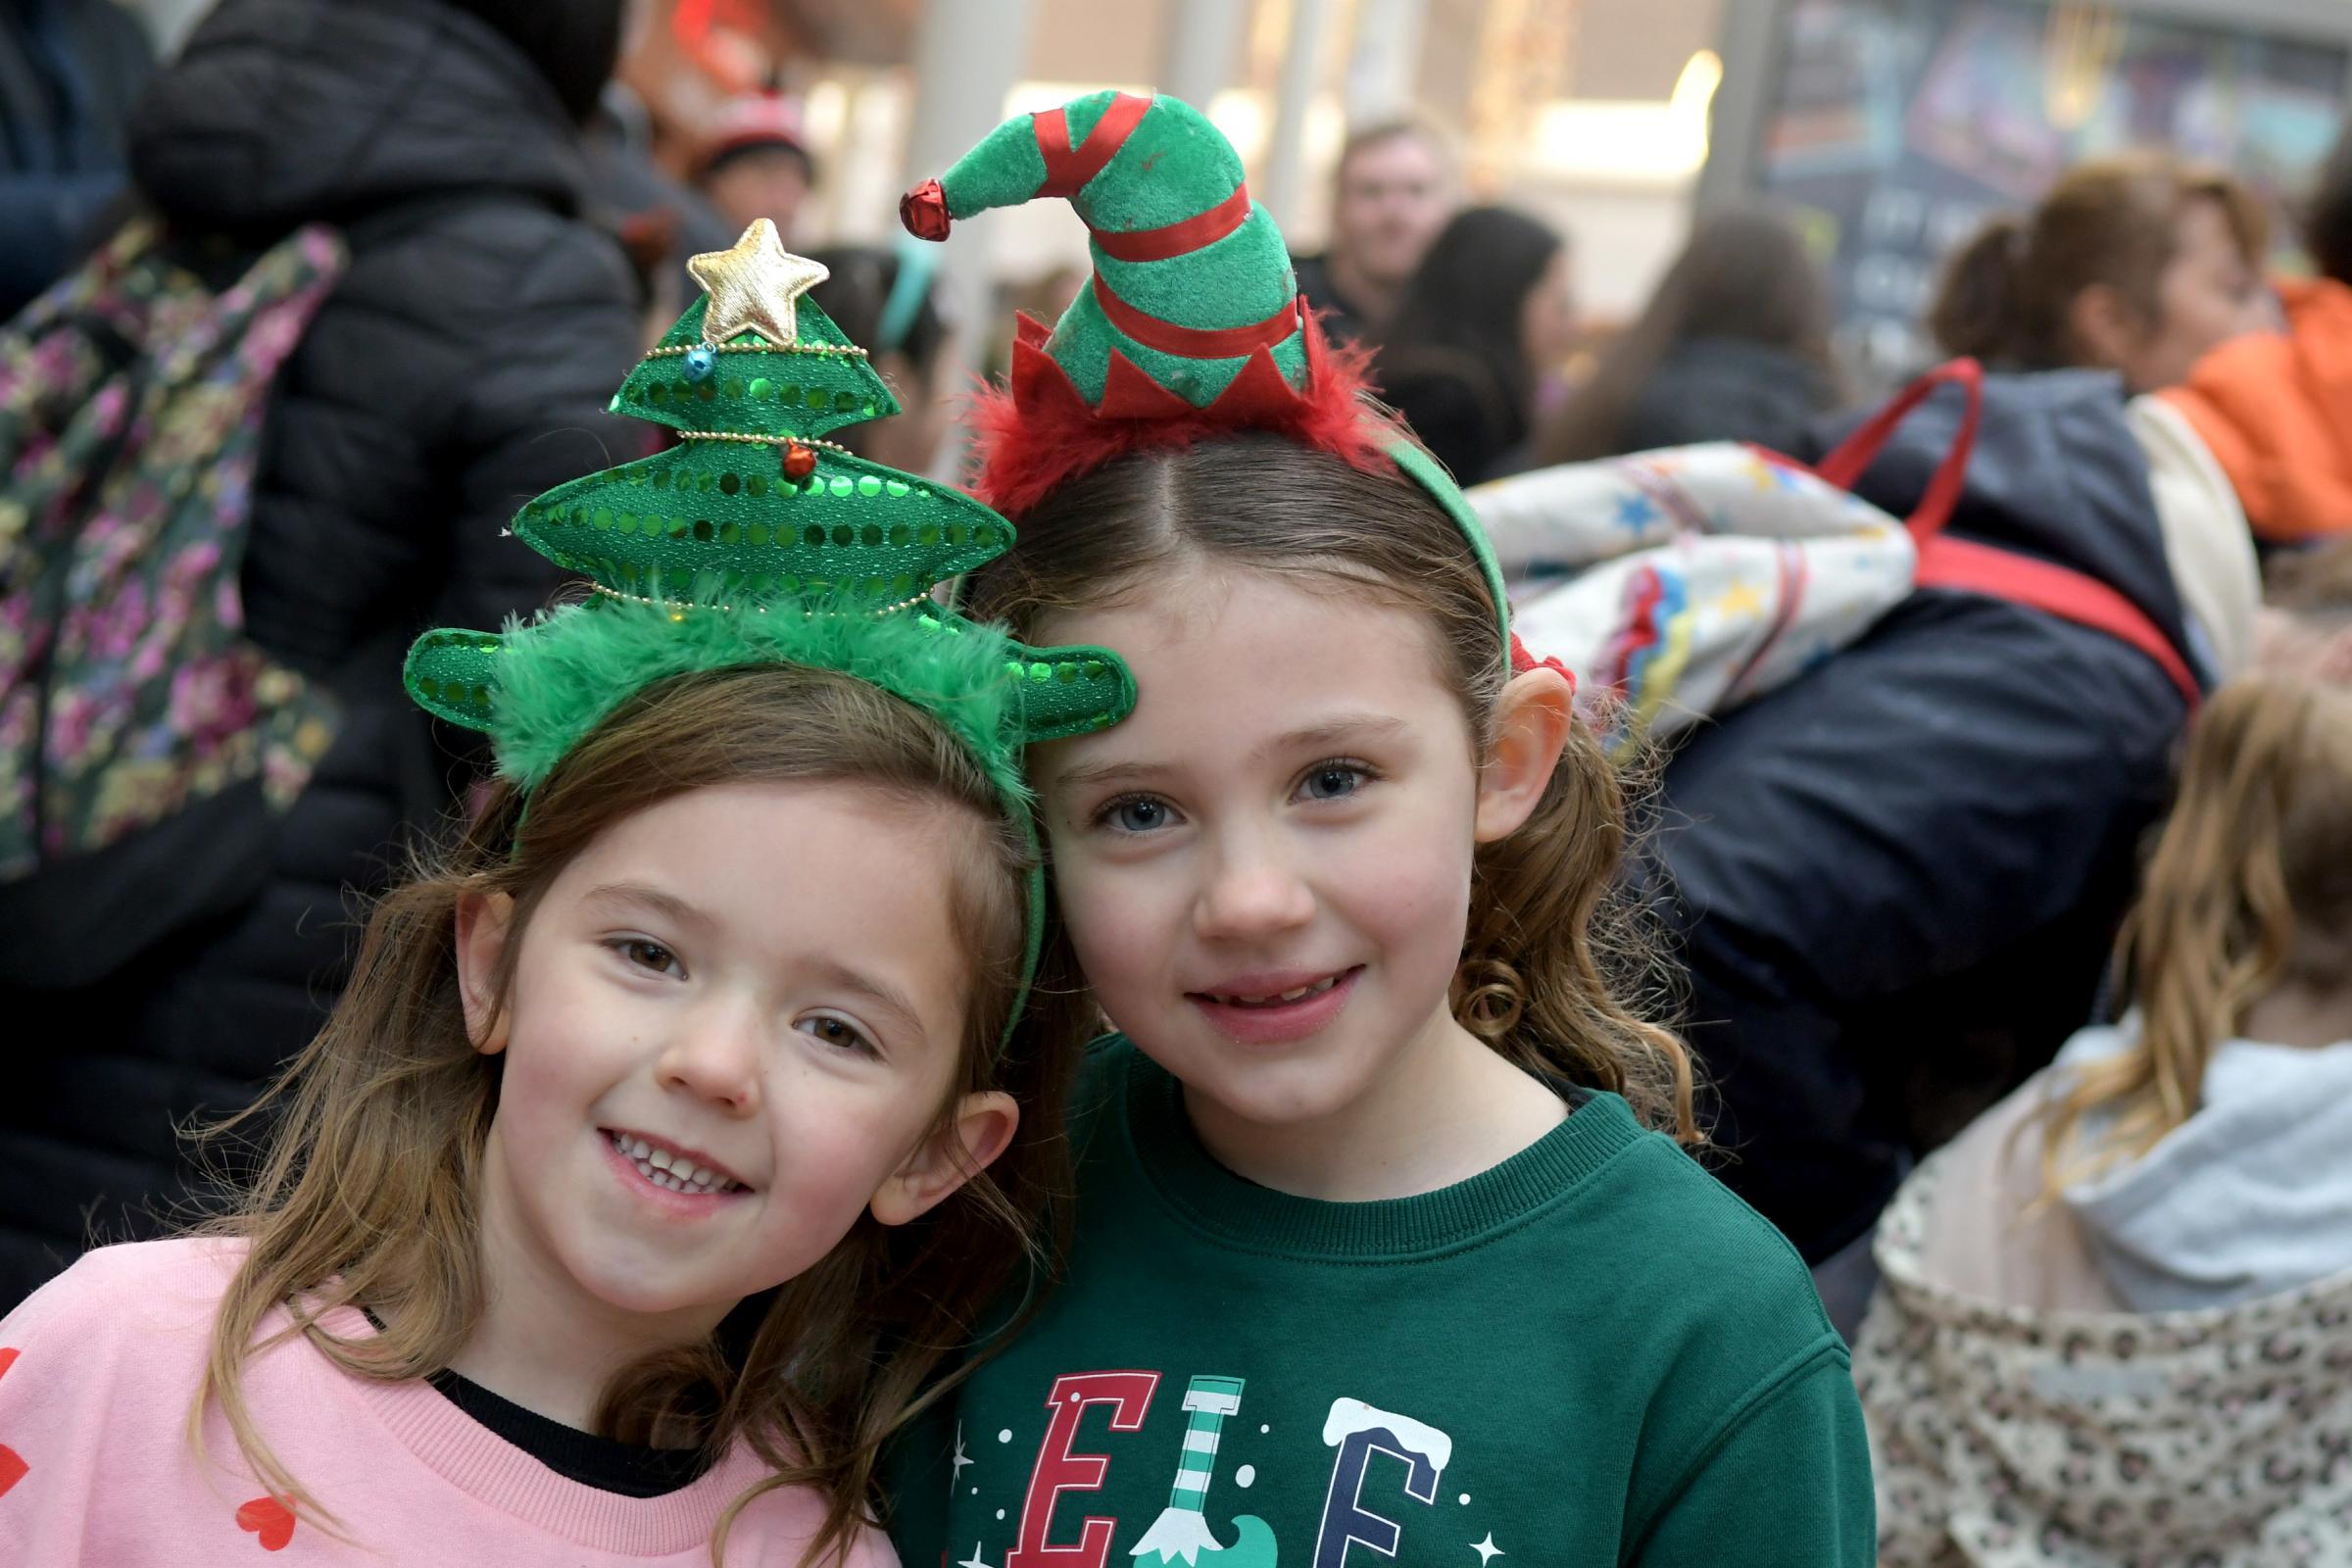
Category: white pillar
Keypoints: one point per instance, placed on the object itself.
(1302, 73)
(967, 56)
(1383, 64)
(1199, 47)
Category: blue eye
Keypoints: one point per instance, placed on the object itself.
(1138, 813)
(1332, 781)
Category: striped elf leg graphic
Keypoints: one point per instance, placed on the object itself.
(1182, 1529)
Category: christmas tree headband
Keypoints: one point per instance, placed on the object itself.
(1191, 327)
(756, 541)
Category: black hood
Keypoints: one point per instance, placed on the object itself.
(280, 112)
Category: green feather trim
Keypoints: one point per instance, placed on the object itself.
(561, 676)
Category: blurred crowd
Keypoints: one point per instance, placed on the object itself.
(1984, 886)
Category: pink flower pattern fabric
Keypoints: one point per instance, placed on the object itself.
(131, 400)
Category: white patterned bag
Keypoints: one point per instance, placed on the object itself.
(1685, 582)
(1690, 579)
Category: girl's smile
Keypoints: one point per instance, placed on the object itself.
(661, 1166)
(1276, 1009)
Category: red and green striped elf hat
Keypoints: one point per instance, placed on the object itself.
(1192, 327)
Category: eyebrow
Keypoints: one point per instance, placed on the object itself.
(881, 993)
(1332, 731)
(645, 896)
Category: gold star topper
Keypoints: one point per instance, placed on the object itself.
(754, 287)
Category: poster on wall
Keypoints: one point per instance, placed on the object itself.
(1896, 127)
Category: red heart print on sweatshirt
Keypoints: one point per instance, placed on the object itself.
(11, 1463)
(272, 1519)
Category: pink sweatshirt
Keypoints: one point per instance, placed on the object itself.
(96, 1374)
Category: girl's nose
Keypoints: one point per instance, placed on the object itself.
(715, 1056)
(1252, 893)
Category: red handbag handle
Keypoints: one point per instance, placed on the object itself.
(1853, 456)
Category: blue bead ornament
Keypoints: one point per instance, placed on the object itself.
(700, 363)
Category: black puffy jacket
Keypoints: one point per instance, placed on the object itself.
(1896, 879)
(460, 367)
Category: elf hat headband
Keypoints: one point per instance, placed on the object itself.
(1192, 326)
(755, 541)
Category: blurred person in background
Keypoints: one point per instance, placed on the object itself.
(2112, 1324)
(884, 299)
(756, 163)
(460, 367)
(2305, 624)
(2137, 264)
(1488, 313)
(1390, 194)
(2275, 408)
(661, 222)
(69, 72)
(1732, 346)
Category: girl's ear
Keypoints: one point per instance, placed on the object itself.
(2104, 326)
(1530, 733)
(982, 1129)
(483, 921)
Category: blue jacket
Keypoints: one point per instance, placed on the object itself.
(1897, 878)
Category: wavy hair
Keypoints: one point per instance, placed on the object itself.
(1552, 974)
(2249, 887)
(367, 1195)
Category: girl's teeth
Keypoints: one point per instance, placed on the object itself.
(1314, 989)
(664, 1169)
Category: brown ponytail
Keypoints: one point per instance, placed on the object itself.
(2250, 886)
(2008, 295)
(1982, 309)
(1551, 976)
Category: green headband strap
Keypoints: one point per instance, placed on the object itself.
(1431, 476)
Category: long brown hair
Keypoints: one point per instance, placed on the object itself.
(1551, 975)
(367, 1191)
(2008, 295)
(2250, 886)
(1745, 275)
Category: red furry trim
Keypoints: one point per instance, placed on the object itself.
(1037, 435)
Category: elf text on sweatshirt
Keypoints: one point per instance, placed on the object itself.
(1592, 1353)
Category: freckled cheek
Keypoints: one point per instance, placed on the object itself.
(1412, 902)
(1120, 924)
(834, 1156)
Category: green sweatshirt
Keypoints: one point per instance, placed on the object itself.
(1591, 1354)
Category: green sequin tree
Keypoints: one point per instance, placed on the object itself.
(753, 509)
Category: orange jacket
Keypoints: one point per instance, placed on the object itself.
(2275, 408)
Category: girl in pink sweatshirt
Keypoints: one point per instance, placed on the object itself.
(673, 1130)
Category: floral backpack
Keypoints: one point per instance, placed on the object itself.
(131, 400)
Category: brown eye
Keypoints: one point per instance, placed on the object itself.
(648, 954)
(839, 1033)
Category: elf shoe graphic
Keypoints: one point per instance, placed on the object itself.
(1182, 1529)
